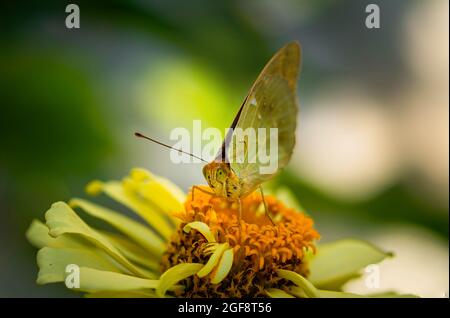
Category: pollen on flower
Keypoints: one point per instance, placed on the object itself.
(260, 248)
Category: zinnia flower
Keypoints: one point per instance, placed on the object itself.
(190, 246)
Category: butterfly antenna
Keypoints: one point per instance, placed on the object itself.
(167, 146)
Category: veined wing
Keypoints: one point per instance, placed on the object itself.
(271, 103)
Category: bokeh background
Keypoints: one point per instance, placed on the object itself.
(372, 156)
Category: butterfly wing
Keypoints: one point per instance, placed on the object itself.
(271, 103)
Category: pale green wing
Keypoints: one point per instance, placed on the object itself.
(271, 103)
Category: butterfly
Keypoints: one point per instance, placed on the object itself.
(271, 103)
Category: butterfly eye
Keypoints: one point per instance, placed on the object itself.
(220, 176)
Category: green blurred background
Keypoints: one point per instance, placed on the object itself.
(372, 155)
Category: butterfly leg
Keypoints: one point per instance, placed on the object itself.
(265, 206)
(200, 189)
(239, 221)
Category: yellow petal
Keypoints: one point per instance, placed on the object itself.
(37, 234)
(298, 292)
(173, 189)
(224, 267)
(154, 194)
(136, 231)
(278, 293)
(142, 175)
(170, 198)
(94, 187)
(52, 262)
(338, 294)
(300, 281)
(306, 289)
(133, 252)
(202, 228)
(121, 294)
(98, 280)
(131, 200)
(61, 219)
(175, 274)
(213, 260)
(347, 258)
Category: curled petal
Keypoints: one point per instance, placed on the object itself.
(213, 260)
(202, 228)
(224, 267)
(278, 293)
(308, 288)
(175, 274)
(37, 234)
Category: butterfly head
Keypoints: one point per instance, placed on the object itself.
(221, 179)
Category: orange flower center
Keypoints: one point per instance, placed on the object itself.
(260, 248)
